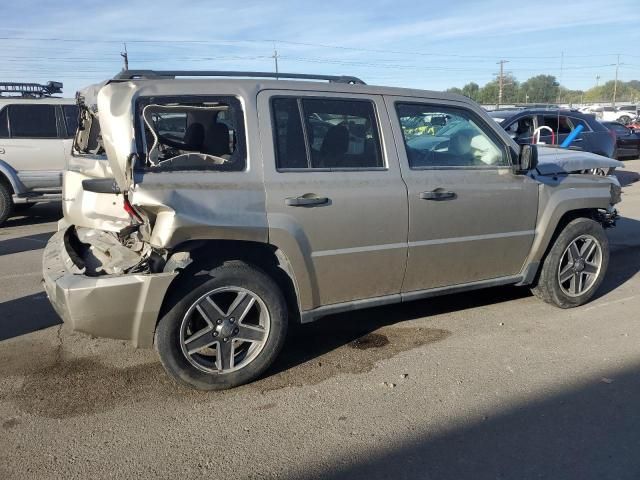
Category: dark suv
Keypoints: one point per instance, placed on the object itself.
(521, 125)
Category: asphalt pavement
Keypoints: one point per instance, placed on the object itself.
(482, 385)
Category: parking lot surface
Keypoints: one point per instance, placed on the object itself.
(488, 384)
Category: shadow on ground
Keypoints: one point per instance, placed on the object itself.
(587, 432)
(626, 177)
(39, 213)
(24, 244)
(25, 315)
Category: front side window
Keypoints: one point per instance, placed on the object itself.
(326, 134)
(193, 133)
(32, 121)
(436, 136)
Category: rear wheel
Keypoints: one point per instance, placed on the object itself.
(224, 331)
(625, 119)
(575, 265)
(6, 202)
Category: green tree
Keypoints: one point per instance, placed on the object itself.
(541, 89)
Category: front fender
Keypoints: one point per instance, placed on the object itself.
(9, 172)
(558, 198)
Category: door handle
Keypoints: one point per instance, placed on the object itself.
(438, 194)
(308, 199)
(1, 150)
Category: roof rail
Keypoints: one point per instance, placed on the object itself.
(167, 74)
(33, 90)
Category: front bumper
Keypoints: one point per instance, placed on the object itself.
(114, 306)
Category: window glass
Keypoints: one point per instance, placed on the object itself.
(578, 121)
(521, 128)
(4, 123)
(290, 148)
(342, 134)
(188, 134)
(339, 134)
(446, 137)
(33, 121)
(621, 130)
(558, 123)
(70, 119)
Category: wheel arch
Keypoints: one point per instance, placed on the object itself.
(10, 176)
(208, 254)
(542, 246)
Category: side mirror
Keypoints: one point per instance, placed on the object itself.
(528, 158)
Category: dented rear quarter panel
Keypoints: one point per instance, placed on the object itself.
(191, 204)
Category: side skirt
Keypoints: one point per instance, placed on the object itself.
(312, 315)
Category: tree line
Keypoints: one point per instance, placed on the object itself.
(546, 89)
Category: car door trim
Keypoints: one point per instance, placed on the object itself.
(312, 315)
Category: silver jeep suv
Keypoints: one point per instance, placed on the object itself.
(204, 215)
(36, 133)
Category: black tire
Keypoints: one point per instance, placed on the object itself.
(6, 202)
(187, 292)
(625, 119)
(548, 286)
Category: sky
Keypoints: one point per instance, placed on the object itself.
(425, 44)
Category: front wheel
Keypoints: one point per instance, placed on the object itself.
(224, 331)
(575, 266)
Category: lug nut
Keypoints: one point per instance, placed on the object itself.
(231, 320)
(219, 321)
(215, 334)
(225, 339)
(235, 331)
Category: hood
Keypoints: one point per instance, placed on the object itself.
(555, 160)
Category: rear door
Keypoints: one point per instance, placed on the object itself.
(336, 202)
(470, 217)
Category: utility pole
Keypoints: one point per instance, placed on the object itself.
(125, 57)
(501, 81)
(597, 80)
(560, 79)
(615, 84)
(275, 58)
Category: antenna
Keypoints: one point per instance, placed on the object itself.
(125, 57)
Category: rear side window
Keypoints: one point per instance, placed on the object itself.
(32, 121)
(4, 123)
(70, 119)
(326, 134)
(192, 133)
(558, 123)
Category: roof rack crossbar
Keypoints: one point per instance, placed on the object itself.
(31, 89)
(159, 74)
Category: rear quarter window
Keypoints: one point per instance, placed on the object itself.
(191, 133)
(32, 121)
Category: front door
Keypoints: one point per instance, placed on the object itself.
(336, 202)
(470, 217)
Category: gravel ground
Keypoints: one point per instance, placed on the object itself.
(489, 384)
